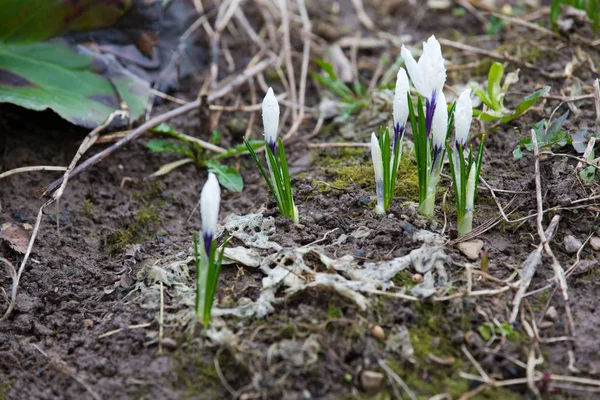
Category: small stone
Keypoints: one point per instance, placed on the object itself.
(88, 323)
(377, 332)
(417, 279)
(595, 242)
(168, 343)
(545, 324)
(371, 380)
(572, 244)
(471, 249)
(552, 314)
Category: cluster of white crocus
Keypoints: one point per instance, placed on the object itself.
(430, 128)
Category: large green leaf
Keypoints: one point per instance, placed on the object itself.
(82, 88)
(26, 21)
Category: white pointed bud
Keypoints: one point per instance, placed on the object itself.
(429, 74)
(463, 114)
(378, 168)
(270, 114)
(400, 101)
(210, 199)
(439, 124)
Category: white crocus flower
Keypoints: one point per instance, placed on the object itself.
(270, 114)
(463, 115)
(378, 167)
(210, 199)
(400, 103)
(428, 75)
(439, 125)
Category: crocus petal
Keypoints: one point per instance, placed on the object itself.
(210, 199)
(416, 75)
(378, 168)
(431, 65)
(270, 114)
(400, 100)
(463, 115)
(439, 124)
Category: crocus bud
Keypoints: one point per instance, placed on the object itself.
(210, 199)
(463, 114)
(378, 168)
(400, 103)
(270, 114)
(439, 125)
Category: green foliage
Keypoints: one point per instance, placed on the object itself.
(488, 330)
(495, 26)
(591, 7)
(354, 99)
(428, 170)
(39, 75)
(465, 184)
(493, 98)
(180, 144)
(390, 155)
(208, 269)
(553, 136)
(279, 180)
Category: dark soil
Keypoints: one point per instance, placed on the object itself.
(115, 220)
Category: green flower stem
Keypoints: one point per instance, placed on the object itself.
(465, 224)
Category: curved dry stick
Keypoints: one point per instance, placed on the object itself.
(33, 168)
(15, 285)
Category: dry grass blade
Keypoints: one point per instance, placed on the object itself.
(15, 284)
(35, 168)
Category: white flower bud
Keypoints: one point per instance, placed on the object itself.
(210, 199)
(270, 114)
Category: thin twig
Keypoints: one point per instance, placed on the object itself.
(394, 377)
(34, 168)
(559, 272)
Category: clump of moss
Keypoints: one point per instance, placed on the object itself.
(4, 387)
(403, 279)
(88, 210)
(144, 224)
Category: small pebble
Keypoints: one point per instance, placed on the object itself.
(168, 343)
(377, 332)
(572, 244)
(88, 323)
(545, 324)
(471, 249)
(552, 314)
(417, 278)
(595, 242)
(371, 380)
